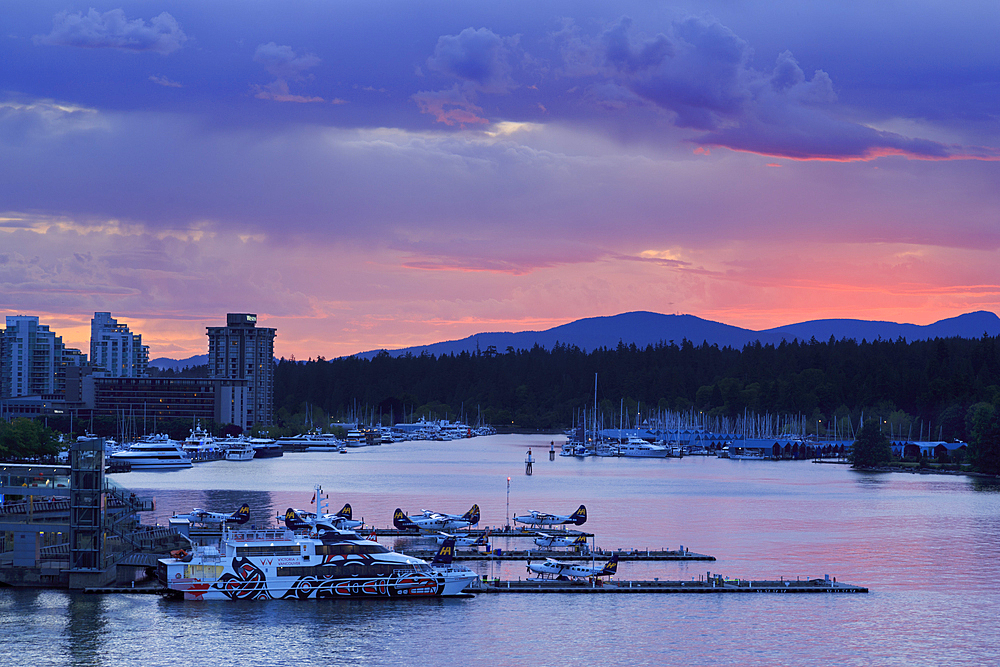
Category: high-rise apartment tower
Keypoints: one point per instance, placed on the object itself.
(34, 360)
(242, 350)
(115, 350)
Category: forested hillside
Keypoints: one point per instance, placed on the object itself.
(926, 385)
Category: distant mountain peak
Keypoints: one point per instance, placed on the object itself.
(644, 328)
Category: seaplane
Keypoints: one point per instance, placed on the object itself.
(442, 561)
(433, 522)
(296, 519)
(344, 519)
(198, 515)
(481, 541)
(546, 541)
(536, 518)
(550, 568)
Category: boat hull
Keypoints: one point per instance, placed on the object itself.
(251, 583)
(147, 464)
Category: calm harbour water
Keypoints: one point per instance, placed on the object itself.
(925, 545)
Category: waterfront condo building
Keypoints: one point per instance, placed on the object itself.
(243, 351)
(115, 351)
(33, 360)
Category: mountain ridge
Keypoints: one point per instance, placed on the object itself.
(647, 328)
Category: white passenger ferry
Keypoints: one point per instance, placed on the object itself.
(252, 564)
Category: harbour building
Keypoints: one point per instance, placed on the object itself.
(243, 351)
(33, 359)
(115, 351)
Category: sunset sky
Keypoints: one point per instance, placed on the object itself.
(385, 174)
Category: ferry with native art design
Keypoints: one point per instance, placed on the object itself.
(307, 559)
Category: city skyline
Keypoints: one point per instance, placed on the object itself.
(398, 174)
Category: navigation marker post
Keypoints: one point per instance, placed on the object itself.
(508, 504)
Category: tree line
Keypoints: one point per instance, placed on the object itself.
(914, 387)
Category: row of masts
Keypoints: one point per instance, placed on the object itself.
(749, 425)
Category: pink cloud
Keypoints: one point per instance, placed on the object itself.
(450, 107)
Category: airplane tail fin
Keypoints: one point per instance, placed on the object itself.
(345, 512)
(579, 517)
(293, 521)
(580, 540)
(403, 522)
(446, 553)
(240, 516)
(611, 567)
(484, 539)
(472, 516)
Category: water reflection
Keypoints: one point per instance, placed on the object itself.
(872, 479)
(985, 485)
(85, 628)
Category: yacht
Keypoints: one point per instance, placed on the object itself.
(201, 446)
(640, 447)
(252, 564)
(309, 442)
(240, 450)
(747, 454)
(266, 448)
(363, 437)
(153, 452)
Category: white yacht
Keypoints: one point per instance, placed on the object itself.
(305, 442)
(251, 564)
(642, 448)
(201, 446)
(747, 453)
(240, 450)
(154, 452)
(363, 437)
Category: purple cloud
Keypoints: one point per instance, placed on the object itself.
(479, 57)
(699, 72)
(112, 29)
(284, 64)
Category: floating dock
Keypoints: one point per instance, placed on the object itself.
(476, 532)
(542, 554)
(127, 590)
(715, 585)
(711, 586)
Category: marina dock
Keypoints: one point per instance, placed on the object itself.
(542, 554)
(714, 585)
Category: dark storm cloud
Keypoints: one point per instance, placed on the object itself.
(699, 72)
